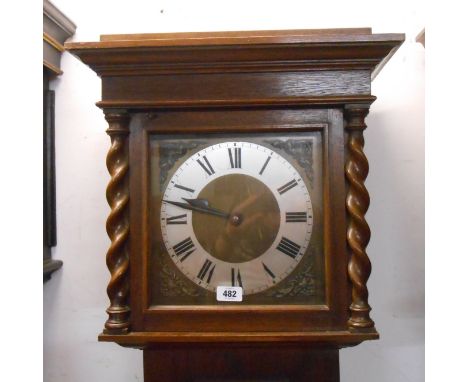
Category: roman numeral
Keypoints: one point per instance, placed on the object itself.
(236, 158)
(179, 219)
(236, 280)
(288, 247)
(268, 270)
(206, 166)
(184, 248)
(287, 186)
(207, 269)
(184, 188)
(296, 217)
(264, 165)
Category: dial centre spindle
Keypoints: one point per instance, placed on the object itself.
(236, 219)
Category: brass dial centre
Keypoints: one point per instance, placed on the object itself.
(253, 223)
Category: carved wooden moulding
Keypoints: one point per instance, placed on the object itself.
(303, 95)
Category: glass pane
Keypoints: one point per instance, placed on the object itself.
(241, 211)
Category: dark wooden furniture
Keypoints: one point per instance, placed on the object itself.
(238, 83)
(56, 29)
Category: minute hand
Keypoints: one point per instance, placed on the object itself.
(202, 209)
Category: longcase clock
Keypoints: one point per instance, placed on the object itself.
(238, 237)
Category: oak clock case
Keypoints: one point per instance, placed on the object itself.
(237, 159)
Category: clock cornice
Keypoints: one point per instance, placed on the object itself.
(237, 52)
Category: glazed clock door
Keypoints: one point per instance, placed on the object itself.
(230, 209)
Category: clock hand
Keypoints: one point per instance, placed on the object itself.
(198, 202)
(204, 206)
(199, 207)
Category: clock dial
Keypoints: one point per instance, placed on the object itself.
(236, 214)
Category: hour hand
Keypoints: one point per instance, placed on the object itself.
(179, 204)
(198, 202)
(199, 205)
(203, 205)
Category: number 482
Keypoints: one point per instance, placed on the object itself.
(230, 293)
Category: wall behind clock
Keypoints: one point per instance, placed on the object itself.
(75, 298)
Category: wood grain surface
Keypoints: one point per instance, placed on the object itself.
(357, 203)
(253, 51)
(117, 225)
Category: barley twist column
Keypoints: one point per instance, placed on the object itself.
(357, 203)
(117, 225)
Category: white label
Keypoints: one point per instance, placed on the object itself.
(225, 293)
